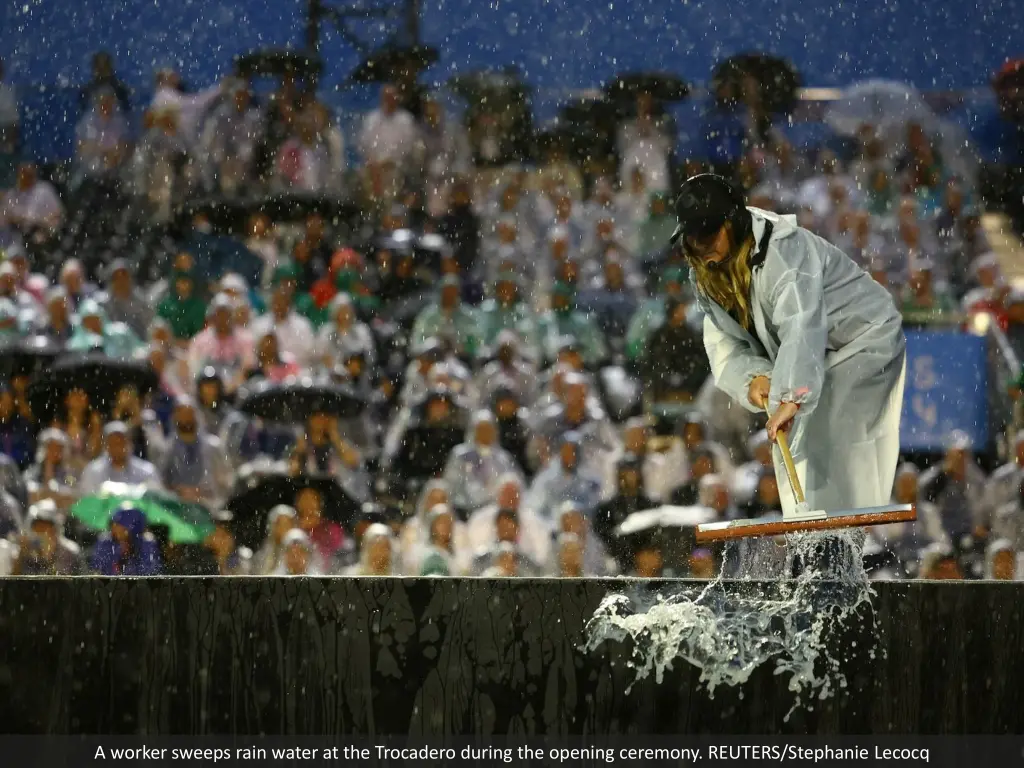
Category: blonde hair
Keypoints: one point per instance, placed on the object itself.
(729, 285)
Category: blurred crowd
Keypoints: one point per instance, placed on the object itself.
(495, 371)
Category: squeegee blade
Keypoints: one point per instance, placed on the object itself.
(777, 525)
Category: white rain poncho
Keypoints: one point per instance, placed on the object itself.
(830, 339)
(473, 470)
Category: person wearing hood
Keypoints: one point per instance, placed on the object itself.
(922, 303)
(564, 478)
(506, 311)
(484, 529)
(713, 492)
(287, 280)
(629, 497)
(565, 320)
(420, 438)
(343, 262)
(321, 450)
(123, 301)
(16, 284)
(1008, 522)
(696, 434)
(183, 307)
(957, 489)
(416, 529)
(51, 478)
(93, 332)
(612, 295)
(572, 521)
(445, 550)
(1002, 562)
(460, 226)
(569, 554)
(222, 345)
(504, 558)
(376, 552)
(294, 330)
(657, 228)
(212, 399)
(272, 364)
(576, 413)
(76, 287)
(449, 319)
(765, 499)
(127, 548)
(43, 549)
(651, 312)
(672, 365)
(792, 325)
(117, 464)
(298, 556)
(1005, 481)
(56, 325)
(508, 369)
(474, 467)
(344, 335)
(193, 464)
(280, 520)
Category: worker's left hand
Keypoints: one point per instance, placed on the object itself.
(781, 420)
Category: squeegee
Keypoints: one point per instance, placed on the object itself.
(802, 518)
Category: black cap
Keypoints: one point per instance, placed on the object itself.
(704, 204)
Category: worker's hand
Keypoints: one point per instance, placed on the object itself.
(757, 392)
(781, 420)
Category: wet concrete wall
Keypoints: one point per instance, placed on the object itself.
(440, 657)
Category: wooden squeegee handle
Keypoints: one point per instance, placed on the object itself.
(787, 459)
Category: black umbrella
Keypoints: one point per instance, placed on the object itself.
(393, 63)
(298, 399)
(232, 215)
(425, 450)
(776, 78)
(27, 356)
(662, 86)
(255, 496)
(278, 63)
(99, 376)
(495, 86)
(598, 114)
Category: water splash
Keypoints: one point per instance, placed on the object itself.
(730, 627)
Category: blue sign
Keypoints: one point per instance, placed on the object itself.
(946, 389)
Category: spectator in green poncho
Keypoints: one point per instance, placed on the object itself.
(350, 281)
(656, 232)
(303, 303)
(94, 332)
(183, 308)
(921, 303)
(563, 321)
(651, 313)
(447, 318)
(506, 311)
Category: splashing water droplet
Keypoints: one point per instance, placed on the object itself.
(731, 627)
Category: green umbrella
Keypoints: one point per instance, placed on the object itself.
(187, 523)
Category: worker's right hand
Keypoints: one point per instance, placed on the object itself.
(758, 391)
